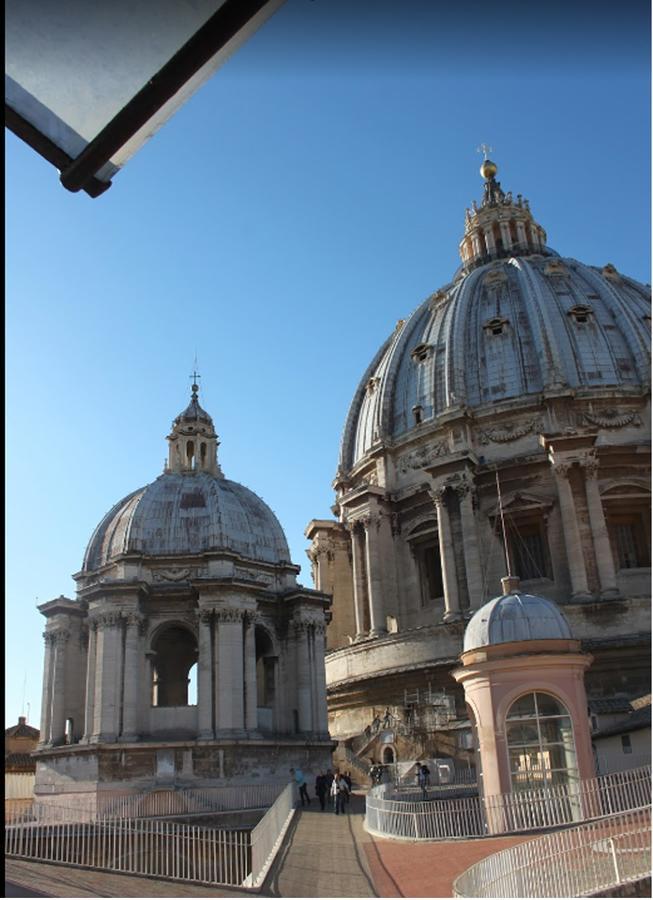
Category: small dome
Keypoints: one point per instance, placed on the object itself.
(515, 617)
(181, 514)
(193, 413)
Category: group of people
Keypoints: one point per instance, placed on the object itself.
(335, 786)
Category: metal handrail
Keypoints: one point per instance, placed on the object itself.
(576, 862)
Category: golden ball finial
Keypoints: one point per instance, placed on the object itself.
(488, 169)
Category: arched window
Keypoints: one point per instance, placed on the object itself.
(388, 755)
(540, 741)
(174, 655)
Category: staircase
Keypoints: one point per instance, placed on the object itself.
(345, 760)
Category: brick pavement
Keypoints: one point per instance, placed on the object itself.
(323, 855)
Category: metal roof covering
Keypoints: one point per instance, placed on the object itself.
(515, 617)
(188, 513)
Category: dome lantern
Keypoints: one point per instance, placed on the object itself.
(193, 443)
(501, 226)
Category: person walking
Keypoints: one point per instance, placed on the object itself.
(321, 789)
(339, 792)
(298, 775)
(347, 777)
(422, 779)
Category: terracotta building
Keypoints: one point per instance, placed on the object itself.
(528, 374)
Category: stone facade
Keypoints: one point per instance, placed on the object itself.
(528, 374)
(190, 574)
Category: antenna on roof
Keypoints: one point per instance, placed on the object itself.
(503, 525)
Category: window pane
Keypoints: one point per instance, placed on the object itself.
(549, 706)
(523, 708)
(524, 733)
(626, 546)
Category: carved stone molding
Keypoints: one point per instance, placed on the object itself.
(612, 418)
(510, 431)
(60, 638)
(249, 575)
(135, 618)
(562, 469)
(49, 638)
(422, 456)
(205, 616)
(590, 464)
(229, 615)
(173, 574)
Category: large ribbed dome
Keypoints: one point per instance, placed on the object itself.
(518, 321)
(188, 513)
(515, 617)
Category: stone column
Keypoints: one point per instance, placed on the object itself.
(251, 715)
(489, 240)
(205, 666)
(131, 709)
(46, 699)
(374, 576)
(230, 682)
(303, 677)
(602, 548)
(89, 705)
(107, 682)
(521, 234)
(58, 721)
(358, 567)
(473, 571)
(505, 235)
(571, 533)
(321, 719)
(447, 560)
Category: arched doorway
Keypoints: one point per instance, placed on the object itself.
(266, 664)
(388, 755)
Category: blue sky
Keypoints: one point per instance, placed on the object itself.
(307, 197)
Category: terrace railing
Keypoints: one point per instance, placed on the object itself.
(442, 816)
(134, 838)
(576, 862)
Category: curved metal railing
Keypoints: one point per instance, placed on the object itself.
(442, 816)
(575, 862)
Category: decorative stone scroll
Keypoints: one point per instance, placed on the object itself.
(510, 431)
(249, 575)
(173, 574)
(422, 456)
(612, 418)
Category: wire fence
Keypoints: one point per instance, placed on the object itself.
(575, 862)
(147, 844)
(439, 816)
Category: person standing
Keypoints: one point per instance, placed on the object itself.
(339, 792)
(347, 777)
(298, 775)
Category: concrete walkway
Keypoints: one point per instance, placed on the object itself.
(323, 855)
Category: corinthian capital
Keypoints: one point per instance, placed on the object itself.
(562, 469)
(590, 464)
(229, 614)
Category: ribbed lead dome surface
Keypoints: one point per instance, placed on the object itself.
(515, 617)
(188, 513)
(510, 328)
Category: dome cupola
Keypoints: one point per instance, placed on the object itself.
(193, 443)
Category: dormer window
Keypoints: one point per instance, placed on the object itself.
(580, 313)
(372, 385)
(496, 325)
(421, 352)
(417, 413)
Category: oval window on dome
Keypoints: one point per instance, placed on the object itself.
(497, 325)
(540, 741)
(580, 313)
